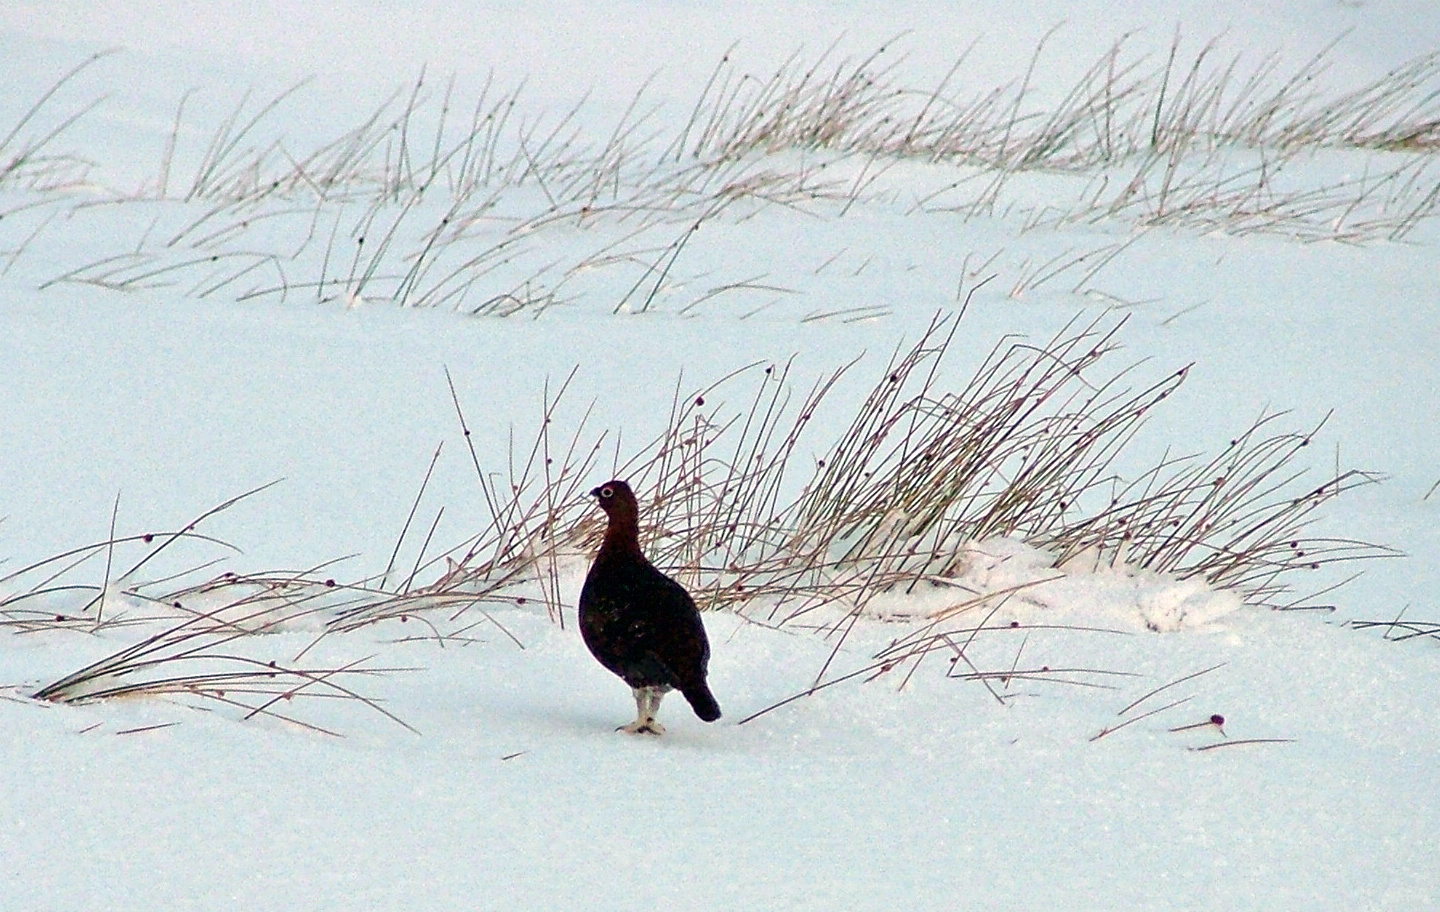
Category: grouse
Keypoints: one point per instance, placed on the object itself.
(641, 624)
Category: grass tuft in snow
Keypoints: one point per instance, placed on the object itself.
(211, 634)
(481, 208)
(1024, 450)
(210, 656)
(905, 500)
(26, 158)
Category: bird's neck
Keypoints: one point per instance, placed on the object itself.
(622, 539)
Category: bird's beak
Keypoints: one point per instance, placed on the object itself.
(595, 492)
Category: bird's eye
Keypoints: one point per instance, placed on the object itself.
(607, 491)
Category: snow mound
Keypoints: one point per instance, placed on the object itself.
(1021, 581)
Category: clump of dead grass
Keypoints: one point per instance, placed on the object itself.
(756, 517)
(27, 157)
(734, 506)
(211, 656)
(208, 640)
(471, 204)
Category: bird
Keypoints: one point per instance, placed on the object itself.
(639, 623)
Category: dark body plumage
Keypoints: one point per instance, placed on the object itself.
(639, 623)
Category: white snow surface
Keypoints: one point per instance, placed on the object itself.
(512, 790)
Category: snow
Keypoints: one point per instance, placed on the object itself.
(1068, 788)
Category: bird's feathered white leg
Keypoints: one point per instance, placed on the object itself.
(647, 704)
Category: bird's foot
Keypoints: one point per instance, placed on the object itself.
(643, 727)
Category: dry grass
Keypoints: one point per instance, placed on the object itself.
(1399, 629)
(1200, 140)
(211, 655)
(494, 212)
(475, 206)
(208, 640)
(1024, 449)
(27, 159)
(735, 506)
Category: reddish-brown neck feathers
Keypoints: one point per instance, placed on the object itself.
(622, 534)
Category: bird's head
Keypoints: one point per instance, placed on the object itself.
(616, 498)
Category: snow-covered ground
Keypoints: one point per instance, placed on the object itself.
(167, 348)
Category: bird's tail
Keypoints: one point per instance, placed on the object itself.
(702, 701)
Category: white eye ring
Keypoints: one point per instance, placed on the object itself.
(607, 491)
